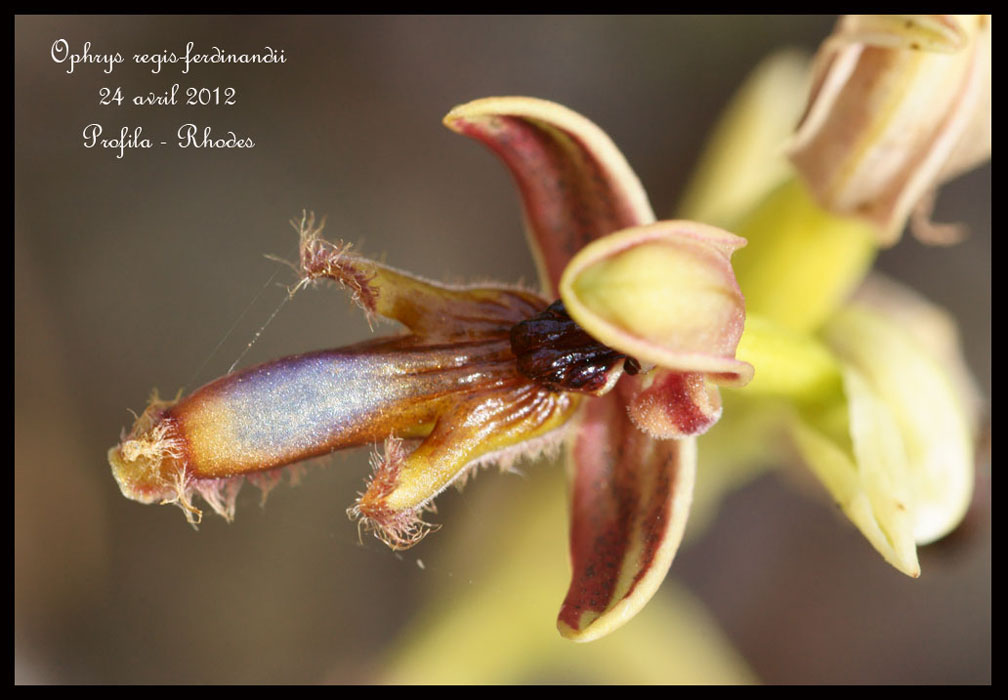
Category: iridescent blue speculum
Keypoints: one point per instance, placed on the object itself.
(461, 383)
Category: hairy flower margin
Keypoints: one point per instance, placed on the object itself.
(819, 315)
(489, 374)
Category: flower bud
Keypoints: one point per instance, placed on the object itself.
(898, 105)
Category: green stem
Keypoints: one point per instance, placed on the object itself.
(801, 262)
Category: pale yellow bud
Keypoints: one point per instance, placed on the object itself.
(898, 105)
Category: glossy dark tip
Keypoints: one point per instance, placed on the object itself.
(554, 351)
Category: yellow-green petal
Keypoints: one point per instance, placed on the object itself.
(871, 487)
(745, 157)
(932, 328)
(925, 405)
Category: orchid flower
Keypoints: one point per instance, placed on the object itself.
(624, 366)
(858, 377)
(868, 386)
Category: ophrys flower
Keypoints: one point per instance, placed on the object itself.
(490, 373)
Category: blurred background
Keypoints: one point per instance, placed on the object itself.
(130, 272)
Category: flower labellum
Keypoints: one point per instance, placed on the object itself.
(450, 386)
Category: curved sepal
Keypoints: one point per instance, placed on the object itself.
(493, 631)
(744, 159)
(575, 184)
(630, 497)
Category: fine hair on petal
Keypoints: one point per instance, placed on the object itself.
(320, 258)
(398, 529)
